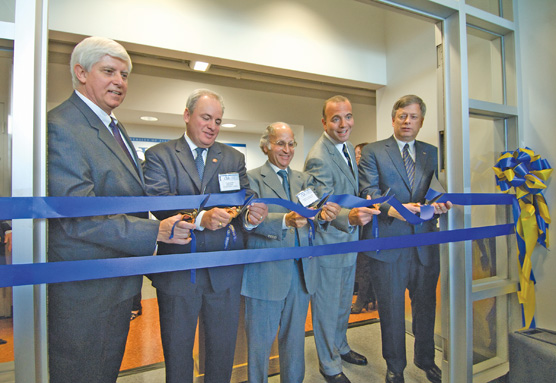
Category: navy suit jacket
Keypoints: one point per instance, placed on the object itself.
(170, 170)
(381, 167)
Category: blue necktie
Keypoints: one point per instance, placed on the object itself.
(286, 185)
(199, 163)
(346, 154)
(409, 165)
(120, 141)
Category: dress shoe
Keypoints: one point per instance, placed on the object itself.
(356, 308)
(354, 358)
(393, 377)
(338, 378)
(434, 374)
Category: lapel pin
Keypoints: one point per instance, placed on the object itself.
(214, 160)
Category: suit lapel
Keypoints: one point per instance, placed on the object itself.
(270, 179)
(394, 152)
(183, 152)
(421, 159)
(214, 159)
(296, 183)
(339, 160)
(107, 138)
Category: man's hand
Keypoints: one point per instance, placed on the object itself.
(442, 208)
(295, 220)
(182, 231)
(360, 216)
(330, 211)
(215, 218)
(412, 207)
(8, 241)
(257, 213)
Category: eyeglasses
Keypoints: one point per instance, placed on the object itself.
(283, 144)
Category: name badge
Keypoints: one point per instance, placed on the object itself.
(307, 197)
(229, 182)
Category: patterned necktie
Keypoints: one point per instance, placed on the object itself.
(346, 154)
(199, 163)
(286, 185)
(409, 165)
(118, 137)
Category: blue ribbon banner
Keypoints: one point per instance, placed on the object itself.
(65, 207)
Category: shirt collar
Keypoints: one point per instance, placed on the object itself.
(338, 145)
(101, 114)
(401, 144)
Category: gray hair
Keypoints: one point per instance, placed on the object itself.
(91, 50)
(270, 131)
(197, 94)
(409, 100)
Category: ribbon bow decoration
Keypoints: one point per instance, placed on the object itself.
(527, 173)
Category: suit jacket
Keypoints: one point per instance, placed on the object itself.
(170, 170)
(381, 167)
(332, 175)
(272, 280)
(85, 160)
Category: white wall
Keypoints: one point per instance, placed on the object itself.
(342, 39)
(411, 65)
(538, 57)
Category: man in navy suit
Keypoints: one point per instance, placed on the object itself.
(90, 155)
(408, 167)
(277, 293)
(193, 164)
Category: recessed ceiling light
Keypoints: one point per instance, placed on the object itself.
(199, 65)
(228, 125)
(149, 118)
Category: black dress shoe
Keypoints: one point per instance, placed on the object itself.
(434, 374)
(394, 377)
(338, 378)
(354, 358)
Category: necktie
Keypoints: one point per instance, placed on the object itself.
(286, 185)
(409, 165)
(118, 137)
(346, 154)
(199, 162)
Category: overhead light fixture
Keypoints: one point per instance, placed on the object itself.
(149, 118)
(228, 125)
(199, 65)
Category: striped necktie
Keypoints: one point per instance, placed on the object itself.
(346, 154)
(199, 163)
(286, 184)
(409, 165)
(117, 135)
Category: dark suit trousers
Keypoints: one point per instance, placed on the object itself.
(390, 280)
(86, 344)
(219, 313)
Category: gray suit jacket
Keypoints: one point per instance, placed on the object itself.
(381, 167)
(84, 159)
(272, 280)
(332, 175)
(170, 170)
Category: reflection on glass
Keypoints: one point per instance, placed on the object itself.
(484, 330)
(486, 82)
(488, 142)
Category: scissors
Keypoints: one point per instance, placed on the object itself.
(434, 199)
(377, 205)
(246, 204)
(322, 201)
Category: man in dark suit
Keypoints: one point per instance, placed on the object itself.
(408, 167)
(89, 155)
(331, 161)
(277, 293)
(195, 164)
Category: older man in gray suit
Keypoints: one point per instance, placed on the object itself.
(277, 293)
(331, 161)
(90, 155)
(408, 167)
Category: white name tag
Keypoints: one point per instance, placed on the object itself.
(307, 197)
(229, 182)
